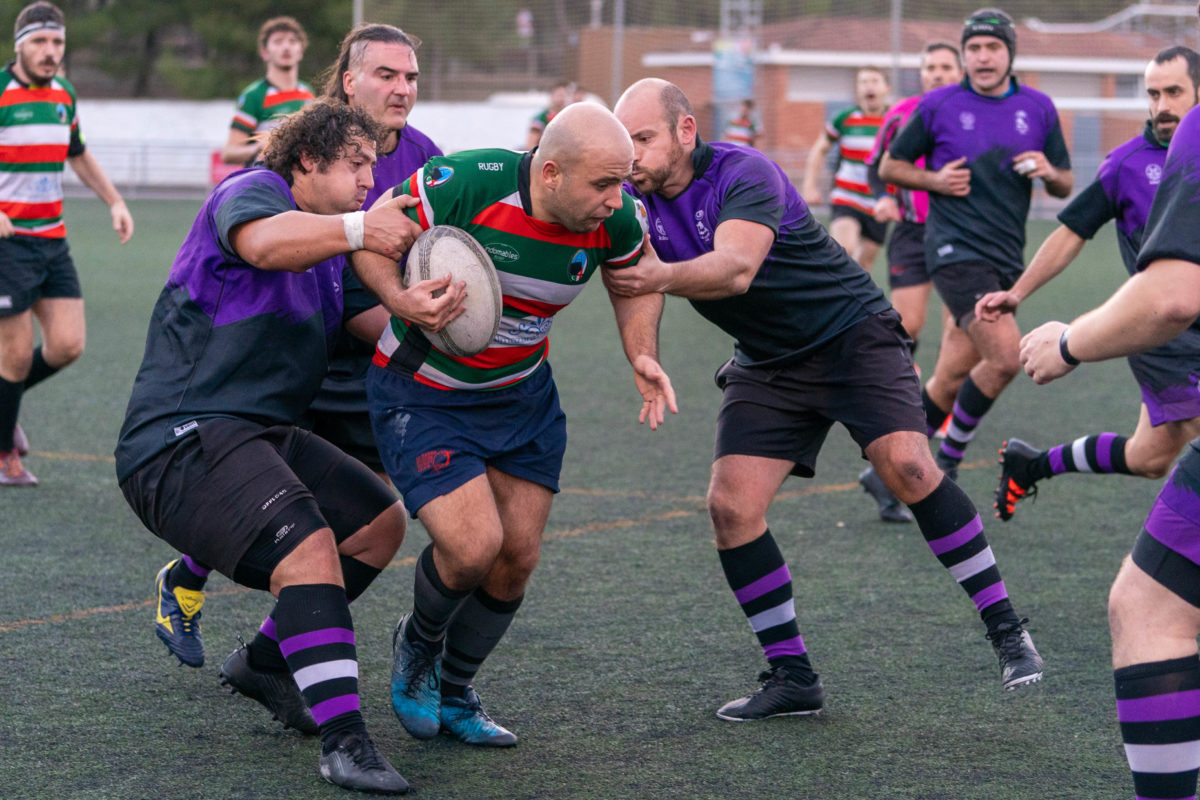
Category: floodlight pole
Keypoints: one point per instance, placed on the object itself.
(618, 50)
(356, 14)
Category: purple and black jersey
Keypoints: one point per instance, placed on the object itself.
(807, 291)
(989, 223)
(227, 339)
(1175, 212)
(1123, 190)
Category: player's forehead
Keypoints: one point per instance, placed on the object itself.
(46, 37)
(357, 148)
(283, 37)
(642, 111)
(939, 59)
(1168, 73)
(391, 56)
(984, 42)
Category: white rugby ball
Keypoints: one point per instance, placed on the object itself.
(445, 249)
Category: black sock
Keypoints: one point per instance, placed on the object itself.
(10, 407)
(357, 576)
(39, 370)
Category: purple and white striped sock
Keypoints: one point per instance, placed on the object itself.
(1158, 706)
(316, 636)
(970, 406)
(1099, 453)
(762, 584)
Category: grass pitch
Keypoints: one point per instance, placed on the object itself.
(629, 638)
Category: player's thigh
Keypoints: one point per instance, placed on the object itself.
(912, 303)
(997, 341)
(524, 507)
(961, 284)
(845, 230)
(1149, 622)
(64, 328)
(465, 526)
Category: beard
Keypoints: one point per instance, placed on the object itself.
(651, 181)
(33, 69)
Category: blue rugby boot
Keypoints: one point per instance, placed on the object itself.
(465, 718)
(177, 619)
(416, 684)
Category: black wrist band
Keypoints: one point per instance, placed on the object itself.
(1064, 352)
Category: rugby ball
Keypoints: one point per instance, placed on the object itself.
(445, 249)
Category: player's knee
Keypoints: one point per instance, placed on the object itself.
(62, 354)
(15, 368)
(385, 534)
(728, 512)
(467, 563)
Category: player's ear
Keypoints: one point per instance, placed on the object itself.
(348, 83)
(551, 174)
(686, 129)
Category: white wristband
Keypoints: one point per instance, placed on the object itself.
(352, 224)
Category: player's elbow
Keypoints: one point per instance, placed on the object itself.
(742, 278)
(1061, 187)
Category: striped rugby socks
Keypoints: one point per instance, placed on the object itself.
(1102, 453)
(1158, 706)
(952, 528)
(970, 406)
(762, 584)
(316, 637)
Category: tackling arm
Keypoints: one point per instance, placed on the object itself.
(1149, 309)
(1056, 253)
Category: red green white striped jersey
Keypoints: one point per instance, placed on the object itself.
(854, 132)
(261, 106)
(542, 266)
(38, 132)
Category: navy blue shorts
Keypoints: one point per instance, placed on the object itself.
(906, 255)
(32, 268)
(433, 441)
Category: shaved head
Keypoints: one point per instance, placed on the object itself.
(583, 158)
(670, 99)
(580, 131)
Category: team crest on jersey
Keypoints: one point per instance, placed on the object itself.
(702, 227)
(61, 111)
(659, 228)
(967, 120)
(643, 216)
(1021, 120)
(578, 266)
(1153, 174)
(438, 175)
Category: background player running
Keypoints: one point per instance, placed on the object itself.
(1124, 188)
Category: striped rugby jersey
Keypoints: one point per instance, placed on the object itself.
(542, 266)
(261, 106)
(39, 131)
(854, 133)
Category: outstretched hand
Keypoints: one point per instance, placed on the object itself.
(657, 393)
(1040, 355)
(994, 305)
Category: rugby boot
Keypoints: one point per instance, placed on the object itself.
(890, 507)
(177, 619)
(947, 465)
(20, 440)
(1015, 482)
(465, 718)
(1019, 660)
(277, 691)
(780, 695)
(353, 762)
(416, 684)
(13, 472)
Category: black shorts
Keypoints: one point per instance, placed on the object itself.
(863, 378)
(32, 268)
(240, 497)
(872, 228)
(1168, 548)
(350, 432)
(906, 255)
(961, 285)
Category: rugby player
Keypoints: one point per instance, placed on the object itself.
(376, 70)
(1124, 188)
(984, 141)
(475, 444)
(37, 275)
(263, 104)
(907, 278)
(816, 342)
(209, 457)
(1154, 605)
(853, 226)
